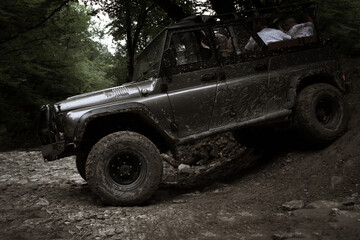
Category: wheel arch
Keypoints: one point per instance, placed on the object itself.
(298, 83)
(94, 125)
(316, 77)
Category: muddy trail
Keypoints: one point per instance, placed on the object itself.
(229, 193)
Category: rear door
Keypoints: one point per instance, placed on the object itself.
(242, 90)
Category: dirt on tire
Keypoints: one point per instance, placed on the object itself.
(333, 121)
(124, 168)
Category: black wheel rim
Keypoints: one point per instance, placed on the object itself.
(125, 168)
(327, 112)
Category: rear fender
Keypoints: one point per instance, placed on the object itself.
(299, 83)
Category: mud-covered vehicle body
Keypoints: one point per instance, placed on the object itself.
(194, 80)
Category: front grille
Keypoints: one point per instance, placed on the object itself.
(46, 129)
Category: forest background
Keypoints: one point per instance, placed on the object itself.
(48, 51)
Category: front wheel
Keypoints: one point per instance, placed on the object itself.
(80, 164)
(124, 168)
(320, 114)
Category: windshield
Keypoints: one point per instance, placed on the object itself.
(148, 63)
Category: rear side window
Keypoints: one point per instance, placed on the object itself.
(241, 37)
(223, 42)
(231, 40)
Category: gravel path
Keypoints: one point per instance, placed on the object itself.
(51, 201)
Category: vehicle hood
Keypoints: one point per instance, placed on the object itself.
(126, 91)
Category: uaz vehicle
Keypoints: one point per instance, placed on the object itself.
(194, 80)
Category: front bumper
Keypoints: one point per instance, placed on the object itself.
(53, 146)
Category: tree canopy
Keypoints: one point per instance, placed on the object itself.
(46, 54)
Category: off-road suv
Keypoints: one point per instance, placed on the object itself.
(197, 78)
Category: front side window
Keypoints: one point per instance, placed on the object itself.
(148, 62)
(190, 47)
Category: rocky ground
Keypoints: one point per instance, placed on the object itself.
(230, 193)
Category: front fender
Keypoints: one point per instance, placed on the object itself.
(139, 109)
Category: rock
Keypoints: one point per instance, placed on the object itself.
(318, 214)
(334, 212)
(39, 214)
(110, 231)
(169, 159)
(76, 216)
(184, 168)
(5, 177)
(177, 201)
(323, 204)
(214, 152)
(42, 202)
(349, 214)
(291, 235)
(296, 238)
(202, 153)
(293, 205)
(351, 201)
(209, 235)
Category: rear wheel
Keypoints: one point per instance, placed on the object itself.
(124, 168)
(320, 114)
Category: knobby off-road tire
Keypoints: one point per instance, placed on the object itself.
(320, 114)
(80, 164)
(124, 168)
(80, 160)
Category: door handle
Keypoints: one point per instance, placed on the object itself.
(208, 77)
(261, 67)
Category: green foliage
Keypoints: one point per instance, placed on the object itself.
(340, 19)
(46, 55)
(133, 25)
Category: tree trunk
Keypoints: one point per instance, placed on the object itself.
(129, 42)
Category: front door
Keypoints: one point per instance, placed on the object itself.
(191, 81)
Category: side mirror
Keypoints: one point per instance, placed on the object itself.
(169, 58)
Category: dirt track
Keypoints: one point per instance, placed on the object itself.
(245, 201)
